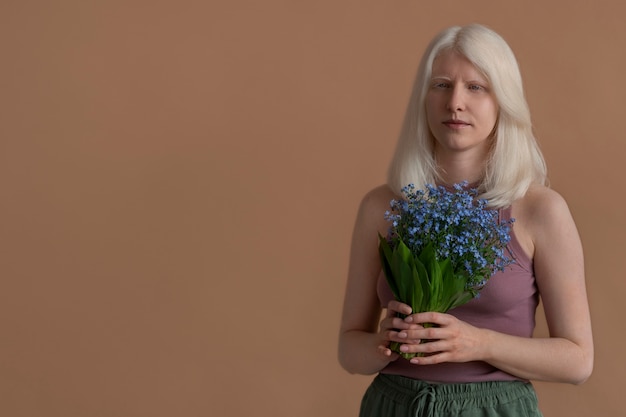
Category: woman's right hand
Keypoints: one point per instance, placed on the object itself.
(395, 329)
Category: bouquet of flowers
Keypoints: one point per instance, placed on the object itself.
(441, 248)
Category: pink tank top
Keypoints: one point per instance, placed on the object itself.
(507, 304)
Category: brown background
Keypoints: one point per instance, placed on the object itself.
(179, 181)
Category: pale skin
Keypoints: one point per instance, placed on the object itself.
(543, 226)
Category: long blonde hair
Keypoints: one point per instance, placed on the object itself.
(515, 161)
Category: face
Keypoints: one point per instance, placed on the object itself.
(461, 109)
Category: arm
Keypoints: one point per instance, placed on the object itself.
(362, 347)
(567, 355)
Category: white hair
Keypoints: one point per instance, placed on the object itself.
(515, 161)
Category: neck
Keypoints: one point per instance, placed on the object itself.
(462, 164)
(454, 169)
(454, 173)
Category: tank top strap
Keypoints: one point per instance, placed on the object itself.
(504, 214)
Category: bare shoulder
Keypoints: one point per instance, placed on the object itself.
(378, 197)
(542, 204)
(542, 214)
(373, 207)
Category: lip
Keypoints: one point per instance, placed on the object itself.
(456, 123)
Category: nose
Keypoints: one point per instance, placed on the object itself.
(456, 99)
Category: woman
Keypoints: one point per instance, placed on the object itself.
(468, 120)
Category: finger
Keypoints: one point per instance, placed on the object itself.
(431, 358)
(402, 324)
(395, 306)
(400, 337)
(387, 353)
(384, 350)
(427, 348)
(440, 319)
(407, 338)
(396, 323)
(414, 335)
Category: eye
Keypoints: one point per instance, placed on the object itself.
(441, 85)
(476, 87)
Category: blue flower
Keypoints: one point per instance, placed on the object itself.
(458, 225)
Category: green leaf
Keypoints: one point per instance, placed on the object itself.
(418, 293)
(446, 269)
(457, 294)
(404, 251)
(386, 254)
(422, 281)
(402, 272)
(424, 286)
(450, 284)
(436, 283)
(460, 299)
(429, 258)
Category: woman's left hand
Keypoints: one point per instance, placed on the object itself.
(449, 340)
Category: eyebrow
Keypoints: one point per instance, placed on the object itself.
(448, 78)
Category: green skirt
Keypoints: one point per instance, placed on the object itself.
(397, 396)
